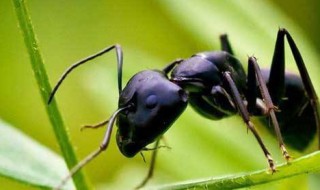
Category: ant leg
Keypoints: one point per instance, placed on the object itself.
(225, 44)
(98, 125)
(306, 80)
(246, 118)
(251, 94)
(75, 65)
(152, 165)
(276, 81)
(254, 73)
(164, 141)
(276, 77)
(170, 66)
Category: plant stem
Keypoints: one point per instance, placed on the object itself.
(45, 89)
(302, 165)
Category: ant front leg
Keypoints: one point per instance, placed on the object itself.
(276, 83)
(152, 165)
(153, 160)
(246, 118)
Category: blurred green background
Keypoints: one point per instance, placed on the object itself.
(152, 34)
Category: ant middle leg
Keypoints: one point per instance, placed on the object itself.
(246, 118)
(255, 78)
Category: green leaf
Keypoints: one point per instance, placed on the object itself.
(25, 160)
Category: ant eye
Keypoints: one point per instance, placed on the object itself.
(151, 101)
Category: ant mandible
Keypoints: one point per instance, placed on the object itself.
(216, 86)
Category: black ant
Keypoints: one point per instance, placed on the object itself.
(216, 86)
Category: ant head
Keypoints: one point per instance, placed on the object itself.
(155, 105)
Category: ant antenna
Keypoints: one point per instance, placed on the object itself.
(72, 67)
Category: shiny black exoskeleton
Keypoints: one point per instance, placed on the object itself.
(202, 76)
(216, 86)
(155, 104)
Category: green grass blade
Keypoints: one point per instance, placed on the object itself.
(45, 89)
(40, 166)
(304, 165)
